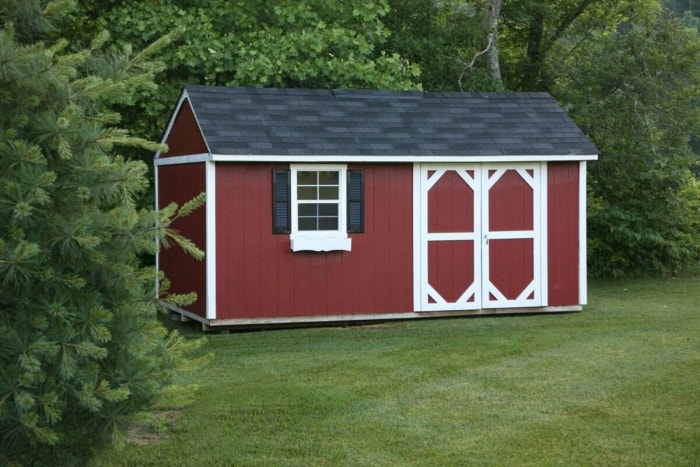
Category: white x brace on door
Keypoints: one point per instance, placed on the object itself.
(481, 234)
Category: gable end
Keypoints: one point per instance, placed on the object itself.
(184, 136)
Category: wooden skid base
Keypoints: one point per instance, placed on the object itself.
(218, 325)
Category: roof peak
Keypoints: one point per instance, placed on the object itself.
(342, 93)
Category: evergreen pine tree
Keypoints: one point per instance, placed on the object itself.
(81, 350)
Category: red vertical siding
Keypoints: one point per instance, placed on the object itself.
(451, 268)
(259, 276)
(179, 184)
(511, 266)
(563, 235)
(511, 208)
(510, 203)
(185, 137)
(451, 205)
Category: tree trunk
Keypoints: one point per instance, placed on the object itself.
(493, 11)
(530, 80)
(539, 43)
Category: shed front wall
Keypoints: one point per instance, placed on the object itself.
(258, 276)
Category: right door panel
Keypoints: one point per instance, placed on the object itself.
(511, 233)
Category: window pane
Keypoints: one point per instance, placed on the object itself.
(308, 210)
(328, 192)
(328, 177)
(313, 186)
(328, 210)
(328, 223)
(308, 223)
(307, 192)
(307, 178)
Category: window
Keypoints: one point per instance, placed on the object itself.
(318, 205)
(317, 200)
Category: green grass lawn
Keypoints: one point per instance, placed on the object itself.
(616, 384)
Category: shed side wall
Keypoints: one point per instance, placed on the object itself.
(563, 236)
(258, 276)
(179, 184)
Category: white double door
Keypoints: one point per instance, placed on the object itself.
(481, 236)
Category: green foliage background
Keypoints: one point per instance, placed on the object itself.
(627, 72)
(636, 93)
(261, 43)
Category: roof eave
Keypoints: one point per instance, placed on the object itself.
(398, 158)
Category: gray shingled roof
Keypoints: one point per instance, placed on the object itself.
(263, 121)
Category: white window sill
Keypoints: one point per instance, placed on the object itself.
(321, 244)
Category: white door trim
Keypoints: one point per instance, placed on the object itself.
(426, 298)
(423, 291)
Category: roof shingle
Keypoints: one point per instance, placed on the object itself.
(264, 121)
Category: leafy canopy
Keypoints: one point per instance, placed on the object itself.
(629, 75)
(262, 43)
(635, 91)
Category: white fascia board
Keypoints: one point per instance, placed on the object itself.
(175, 160)
(399, 158)
(183, 97)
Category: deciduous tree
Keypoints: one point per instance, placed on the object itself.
(448, 39)
(264, 43)
(635, 91)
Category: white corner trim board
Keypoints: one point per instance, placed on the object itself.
(210, 258)
(582, 241)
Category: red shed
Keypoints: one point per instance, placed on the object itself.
(339, 206)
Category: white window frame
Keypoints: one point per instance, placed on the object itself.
(320, 240)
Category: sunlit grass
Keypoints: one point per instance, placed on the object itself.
(617, 384)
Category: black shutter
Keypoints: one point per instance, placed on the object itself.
(356, 201)
(281, 202)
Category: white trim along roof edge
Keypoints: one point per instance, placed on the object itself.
(397, 158)
(367, 158)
